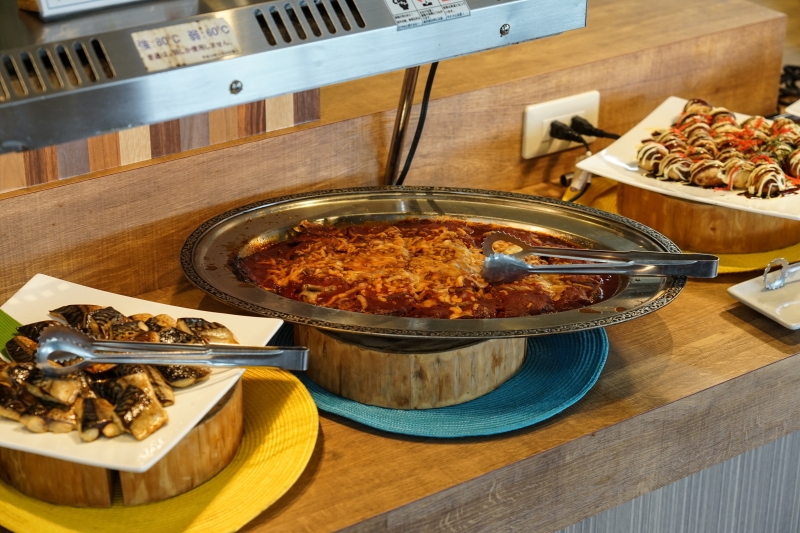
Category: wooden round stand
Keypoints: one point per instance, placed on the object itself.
(409, 381)
(704, 227)
(199, 456)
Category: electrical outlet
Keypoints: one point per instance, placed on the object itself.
(536, 140)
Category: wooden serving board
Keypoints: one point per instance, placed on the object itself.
(202, 454)
(706, 228)
(409, 381)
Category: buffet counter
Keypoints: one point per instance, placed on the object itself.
(692, 385)
(686, 387)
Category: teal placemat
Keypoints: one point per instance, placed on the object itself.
(8, 328)
(558, 371)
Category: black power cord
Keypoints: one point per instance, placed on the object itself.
(418, 133)
(584, 127)
(560, 131)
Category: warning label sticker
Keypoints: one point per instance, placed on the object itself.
(413, 13)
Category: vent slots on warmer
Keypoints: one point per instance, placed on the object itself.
(52, 75)
(105, 64)
(33, 75)
(276, 17)
(340, 14)
(356, 13)
(88, 68)
(69, 67)
(323, 12)
(14, 77)
(262, 22)
(312, 22)
(298, 28)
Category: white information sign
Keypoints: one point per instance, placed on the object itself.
(413, 13)
(185, 44)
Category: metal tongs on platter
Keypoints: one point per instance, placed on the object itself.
(62, 345)
(505, 268)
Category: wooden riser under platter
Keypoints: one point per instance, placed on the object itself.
(704, 227)
(199, 456)
(409, 381)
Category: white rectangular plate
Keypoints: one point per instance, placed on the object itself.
(43, 293)
(618, 162)
(782, 305)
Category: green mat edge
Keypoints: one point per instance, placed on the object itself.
(8, 329)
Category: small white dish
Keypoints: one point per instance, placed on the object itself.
(43, 293)
(618, 162)
(781, 305)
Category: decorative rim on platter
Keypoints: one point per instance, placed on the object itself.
(206, 252)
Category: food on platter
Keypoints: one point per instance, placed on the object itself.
(416, 268)
(707, 147)
(102, 399)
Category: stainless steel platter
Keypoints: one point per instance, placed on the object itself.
(207, 251)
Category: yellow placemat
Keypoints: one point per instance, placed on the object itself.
(602, 194)
(280, 430)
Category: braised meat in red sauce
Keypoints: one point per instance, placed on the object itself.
(421, 268)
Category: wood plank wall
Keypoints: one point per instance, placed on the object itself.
(135, 221)
(119, 149)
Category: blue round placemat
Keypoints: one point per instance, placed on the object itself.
(558, 371)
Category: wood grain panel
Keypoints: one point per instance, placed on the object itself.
(279, 112)
(165, 138)
(252, 119)
(104, 152)
(756, 491)
(134, 145)
(223, 125)
(306, 106)
(12, 171)
(194, 131)
(73, 158)
(41, 166)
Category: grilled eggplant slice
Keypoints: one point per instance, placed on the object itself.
(33, 331)
(22, 349)
(64, 390)
(181, 376)
(139, 413)
(10, 406)
(99, 322)
(133, 331)
(208, 331)
(96, 417)
(162, 391)
(76, 316)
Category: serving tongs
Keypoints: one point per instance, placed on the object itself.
(774, 280)
(62, 345)
(505, 268)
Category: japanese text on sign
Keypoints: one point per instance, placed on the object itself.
(185, 44)
(413, 13)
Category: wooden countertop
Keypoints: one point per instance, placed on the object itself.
(691, 385)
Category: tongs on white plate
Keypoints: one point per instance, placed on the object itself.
(775, 280)
(62, 345)
(505, 268)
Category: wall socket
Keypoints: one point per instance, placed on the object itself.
(536, 140)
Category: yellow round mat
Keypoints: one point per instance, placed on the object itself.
(602, 194)
(280, 430)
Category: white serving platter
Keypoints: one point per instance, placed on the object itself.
(43, 293)
(618, 162)
(781, 305)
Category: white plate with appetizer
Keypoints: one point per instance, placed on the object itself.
(42, 294)
(711, 156)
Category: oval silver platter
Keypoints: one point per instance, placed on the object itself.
(207, 251)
